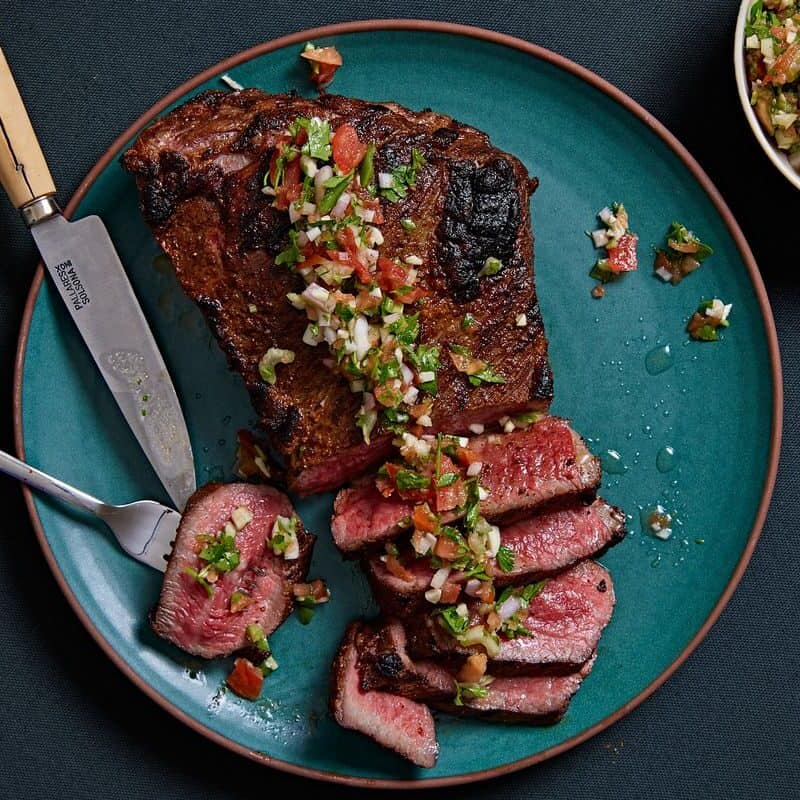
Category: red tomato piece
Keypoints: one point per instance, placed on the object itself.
(246, 679)
(347, 149)
(287, 193)
(391, 276)
(623, 258)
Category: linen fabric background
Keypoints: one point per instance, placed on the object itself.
(726, 725)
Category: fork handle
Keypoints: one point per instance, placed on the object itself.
(48, 484)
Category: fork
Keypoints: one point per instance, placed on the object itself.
(145, 529)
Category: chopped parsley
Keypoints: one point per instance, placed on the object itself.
(404, 177)
(505, 559)
(319, 139)
(491, 266)
(406, 479)
(290, 255)
(366, 171)
(334, 189)
(469, 691)
(452, 621)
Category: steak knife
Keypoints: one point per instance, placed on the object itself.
(87, 272)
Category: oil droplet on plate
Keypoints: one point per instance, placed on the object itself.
(666, 460)
(659, 360)
(613, 463)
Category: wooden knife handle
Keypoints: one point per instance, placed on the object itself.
(23, 170)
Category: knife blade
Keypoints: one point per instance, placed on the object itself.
(88, 274)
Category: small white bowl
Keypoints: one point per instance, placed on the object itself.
(776, 156)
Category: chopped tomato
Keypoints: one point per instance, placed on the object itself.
(301, 137)
(446, 548)
(411, 296)
(347, 239)
(316, 590)
(486, 592)
(786, 67)
(474, 668)
(396, 568)
(622, 258)
(347, 149)
(291, 172)
(324, 63)
(450, 593)
(466, 457)
(493, 621)
(287, 193)
(423, 518)
(246, 679)
(391, 276)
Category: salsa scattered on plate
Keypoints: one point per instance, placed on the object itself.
(618, 241)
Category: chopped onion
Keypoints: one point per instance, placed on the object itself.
(664, 274)
(767, 49)
(509, 426)
(607, 215)
(474, 469)
(477, 428)
(338, 211)
(425, 421)
(493, 541)
(427, 376)
(308, 209)
(374, 236)
(461, 609)
(509, 607)
(752, 42)
(361, 336)
(312, 234)
(231, 83)
(308, 165)
(600, 237)
(483, 493)
(385, 180)
(522, 320)
(322, 175)
(439, 577)
(408, 375)
(463, 441)
(433, 595)
(367, 214)
(473, 584)
(411, 395)
(294, 213)
(415, 261)
(302, 240)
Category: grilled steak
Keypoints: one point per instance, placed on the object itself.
(521, 470)
(395, 722)
(384, 664)
(565, 622)
(199, 172)
(546, 543)
(205, 625)
(534, 700)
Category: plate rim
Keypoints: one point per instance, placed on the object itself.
(594, 80)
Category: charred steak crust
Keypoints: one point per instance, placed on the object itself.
(199, 172)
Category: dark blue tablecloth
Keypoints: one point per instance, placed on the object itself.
(727, 725)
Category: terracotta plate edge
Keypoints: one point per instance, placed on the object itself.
(597, 82)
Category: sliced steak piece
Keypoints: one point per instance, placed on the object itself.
(566, 620)
(534, 700)
(543, 544)
(521, 470)
(205, 625)
(199, 171)
(397, 723)
(384, 664)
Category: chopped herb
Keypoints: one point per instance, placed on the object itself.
(220, 551)
(467, 322)
(407, 479)
(532, 590)
(470, 691)
(366, 171)
(268, 362)
(679, 234)
(344, 312)
(408, 224)
(526, 418)
(290, 255)
(452, 621)
(406, 329)
(395, 420)
(256, 636)
(193, 573)
(487, 375)
(472, 504)
(405, 177)
(505, 559)
(319, 139)
(425, 358)
(448, 479)
(601, 271)
(305, 614)
(491, 266)
(334, 189)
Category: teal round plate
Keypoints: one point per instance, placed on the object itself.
(716, 407)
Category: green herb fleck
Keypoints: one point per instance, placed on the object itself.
(491, 266)
(193, 573)
(505, 559)
(405, 177)
(334, 189)
(407, 479)
(290, 255)
(452, 621)
(366, 171)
